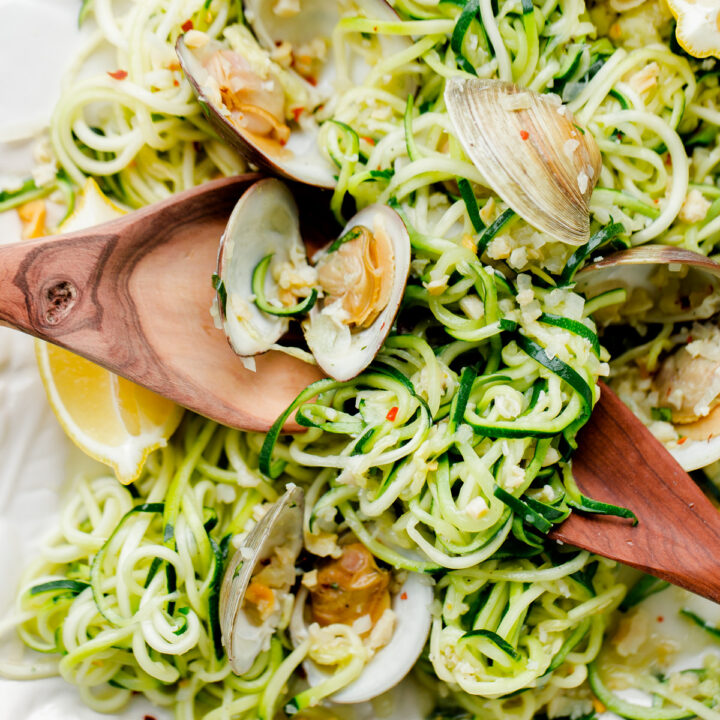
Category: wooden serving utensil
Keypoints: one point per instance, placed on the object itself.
(134, 296)
(619, 461)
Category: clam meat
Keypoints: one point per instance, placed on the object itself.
(391, 614)
(347, 298)
(362, 276)
(263, 110)
(688, 386)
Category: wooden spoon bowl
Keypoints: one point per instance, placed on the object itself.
(134, 296)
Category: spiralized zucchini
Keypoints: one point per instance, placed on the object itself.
(450, 454)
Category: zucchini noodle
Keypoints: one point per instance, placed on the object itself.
(451, 454)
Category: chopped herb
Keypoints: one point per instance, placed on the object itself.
(661, 413)
(219, 286)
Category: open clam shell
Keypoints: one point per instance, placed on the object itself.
(688, 289)
(530, 151)
(411, 604)
(264, 221)
(340, 351)
(295, 155)
(243, 637)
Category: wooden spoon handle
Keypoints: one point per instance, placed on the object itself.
(619, 461)
(48, 284)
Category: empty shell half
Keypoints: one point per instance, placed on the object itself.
(530, 151)
(264, 226)
(257, 582)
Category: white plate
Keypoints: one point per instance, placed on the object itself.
(36, 456)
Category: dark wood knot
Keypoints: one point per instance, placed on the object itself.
(58, 299)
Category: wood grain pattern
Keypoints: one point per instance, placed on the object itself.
(677, 537)
(134, 296)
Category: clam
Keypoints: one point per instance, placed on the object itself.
(257, 582)
(245, 98)
(664, 284)
(530, 151)
(349, 297)
(394, 621)
(263, 223)
(363, 276)
(267, 111)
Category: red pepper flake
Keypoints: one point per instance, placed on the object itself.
(660, 618)
(403, 596)
(656, 201)
(297, 112)
(149, 717)
(118, 74)
(368, 139)
(176, 83)
(689, 338)
(375, 28)
(668, 159)
(682, 440)
(524, 134)
(187, 26)
(392, 413)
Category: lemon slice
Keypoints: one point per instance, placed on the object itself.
(111, 419)
(698, 26)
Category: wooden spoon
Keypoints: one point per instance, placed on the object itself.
(134, 295)
(619, 461)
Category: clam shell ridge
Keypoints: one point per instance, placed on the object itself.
(530, 151)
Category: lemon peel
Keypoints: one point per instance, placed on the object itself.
(698, 26)
(111, 419)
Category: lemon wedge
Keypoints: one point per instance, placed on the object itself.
(111, 419)
(698, 26)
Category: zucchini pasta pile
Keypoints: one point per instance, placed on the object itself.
(449, 457)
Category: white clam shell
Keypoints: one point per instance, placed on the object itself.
(281, 525)
(530, 152)
(264, 220)
(412, 607)
(343, 354)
